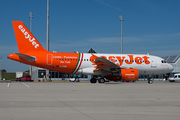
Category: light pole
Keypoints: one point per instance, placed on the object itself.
(47, 39)
(121, 19)
(30, 16)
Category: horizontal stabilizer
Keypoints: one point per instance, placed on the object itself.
(26, 57)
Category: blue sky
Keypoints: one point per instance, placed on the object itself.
(150, 26)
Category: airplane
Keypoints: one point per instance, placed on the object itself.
(114, 67)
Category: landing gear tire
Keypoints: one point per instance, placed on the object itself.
(93, 80)
(171, 80)
(150, 81)
(101, 80)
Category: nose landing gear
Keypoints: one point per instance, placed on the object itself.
(149, 80)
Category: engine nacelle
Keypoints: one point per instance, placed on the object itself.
(124, 75)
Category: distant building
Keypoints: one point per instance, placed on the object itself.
(91, 50)
(174, 61)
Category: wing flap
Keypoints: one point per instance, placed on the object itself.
(104, 64)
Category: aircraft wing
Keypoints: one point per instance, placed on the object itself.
(105, 64)
(26, 57)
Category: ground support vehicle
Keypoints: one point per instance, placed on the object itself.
(175, 78)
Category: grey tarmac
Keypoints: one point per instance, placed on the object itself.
(86, 101)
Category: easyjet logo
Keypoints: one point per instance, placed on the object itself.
(27, 36)
(129, 59)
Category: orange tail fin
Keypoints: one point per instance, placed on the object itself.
(25, 40)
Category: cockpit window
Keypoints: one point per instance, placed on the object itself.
(163, 61)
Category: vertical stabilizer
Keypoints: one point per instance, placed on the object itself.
(25, 40)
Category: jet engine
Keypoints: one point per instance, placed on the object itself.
(124, 75)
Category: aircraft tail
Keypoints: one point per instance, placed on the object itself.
(25, 40)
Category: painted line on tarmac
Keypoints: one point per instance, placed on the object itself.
(25, 84)
(82, 84)
(8, 85)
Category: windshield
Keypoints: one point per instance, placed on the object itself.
(163, 61)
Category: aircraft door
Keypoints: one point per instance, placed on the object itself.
(153, 63)
(49, 59)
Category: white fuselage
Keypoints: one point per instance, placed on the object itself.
(145, 64)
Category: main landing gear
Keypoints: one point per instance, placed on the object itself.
(93, 80)
(100, 80)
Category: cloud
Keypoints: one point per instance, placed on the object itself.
(142, 44)
(178, 34)
(5, 50)
(105, 40)
(107, 5)
(163, 53)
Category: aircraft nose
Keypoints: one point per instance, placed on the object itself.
(171, 68)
